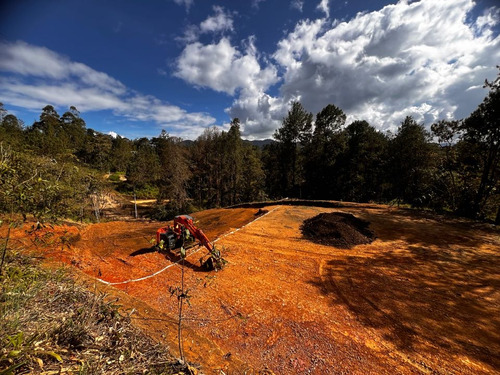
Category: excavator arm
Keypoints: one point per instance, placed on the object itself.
(187, 222)
(175, 238)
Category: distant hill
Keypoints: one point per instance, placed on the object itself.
(187, 142)
(260, 143)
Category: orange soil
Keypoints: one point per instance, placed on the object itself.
(424, 297)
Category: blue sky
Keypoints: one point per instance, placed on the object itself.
(135, 68)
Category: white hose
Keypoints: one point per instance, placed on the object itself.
(175, 263)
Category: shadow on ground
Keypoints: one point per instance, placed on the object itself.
(144, 250)
(171, 257)
(423, 300)
(416, 227)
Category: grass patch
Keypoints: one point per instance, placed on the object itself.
(145, 191)
(50, 323)
(115, 177)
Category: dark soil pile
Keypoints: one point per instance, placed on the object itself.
(337, 229)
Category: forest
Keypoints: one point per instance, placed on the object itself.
(54, 168)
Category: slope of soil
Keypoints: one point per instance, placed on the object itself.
(422, 298)
(338, 229)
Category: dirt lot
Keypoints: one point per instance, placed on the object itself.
(424, 297)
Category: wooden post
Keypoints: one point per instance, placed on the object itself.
(135, 206)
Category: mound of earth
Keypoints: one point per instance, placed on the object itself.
(337, 229)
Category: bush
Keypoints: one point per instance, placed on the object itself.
(166, 212)
(146, 191)
(46, 188)
(115, 177)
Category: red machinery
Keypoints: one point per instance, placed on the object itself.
(184, 234)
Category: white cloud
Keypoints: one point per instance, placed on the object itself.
(488, 20)
(426, 59)
(323, 6)
(223, 68)
(220, 21)
(36, 76)
(191, 34)
(418, 58)
(297, 4)
(423, 59)
(260, 114)
(29, 60)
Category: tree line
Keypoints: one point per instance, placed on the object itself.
(55, 166)
(454, 167)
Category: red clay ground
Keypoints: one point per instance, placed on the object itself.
(424, 297)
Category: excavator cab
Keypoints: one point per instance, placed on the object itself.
(183, 233)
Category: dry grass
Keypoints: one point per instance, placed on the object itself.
(49, 325)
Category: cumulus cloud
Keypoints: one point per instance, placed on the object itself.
(36, 76)
(406, 59)
(426, 59)
(260, 114)
(423, 59)
(239, 72)
(222, 67)
(220, 21)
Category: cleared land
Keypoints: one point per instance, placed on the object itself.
(424, 297)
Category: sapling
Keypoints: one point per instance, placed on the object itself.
(181, 294)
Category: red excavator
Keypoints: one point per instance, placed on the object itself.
(184, 234)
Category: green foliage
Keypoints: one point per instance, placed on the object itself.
(363, 164)
(173, 175)
(146, 191)
(11, 129)
(122, 152)
(410, 164)
(50, 169)
(165, 212)
(207, 183)
(323, 154)
(270, 162)
(42, 187)
(468, 178)
(224, 171)
(252, 181)
(233, 161)
(96, 150)
(144, 167)
(115, 177)
(481, 139)
(294, 134)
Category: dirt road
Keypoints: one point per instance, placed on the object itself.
(424, 297)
